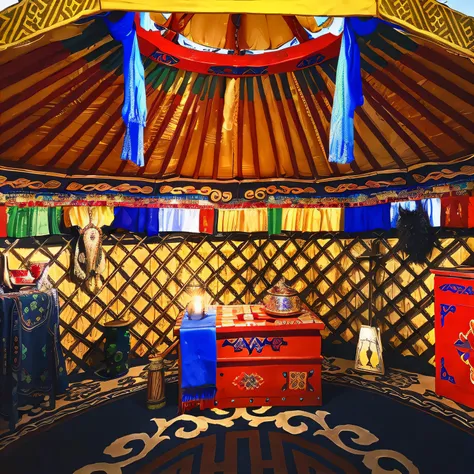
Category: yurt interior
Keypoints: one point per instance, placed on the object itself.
(236, 237)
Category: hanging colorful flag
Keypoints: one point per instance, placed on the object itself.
(3, 221)
(206, 221)
(274, 220)
(367, 218)
(454, 211)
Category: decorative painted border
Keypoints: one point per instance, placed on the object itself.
(255, 343)
(248, 382)
(457, 289)
(446, 309)
(464, 346)
(164, 51)
(214, 194)
(444, 374)
(298, 381)
(29, 18)
(433, 20)
(381, 186)
(444, 174)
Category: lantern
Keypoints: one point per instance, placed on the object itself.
(197, 305)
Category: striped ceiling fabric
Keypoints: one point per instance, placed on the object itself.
(61, 99)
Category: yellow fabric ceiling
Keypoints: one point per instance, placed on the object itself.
(61, 100)
(296, 7)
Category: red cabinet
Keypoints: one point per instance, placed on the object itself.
(454, 334)
(265, 361)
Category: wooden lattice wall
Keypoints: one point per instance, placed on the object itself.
(145, 280)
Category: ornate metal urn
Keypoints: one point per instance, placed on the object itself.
(282, 300)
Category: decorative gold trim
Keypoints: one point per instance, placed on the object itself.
(22, 183)
(445, 173)
(102, 187)
(23, 21)
(216, 195)
(432, 20)
(261, 193)
(368, 185)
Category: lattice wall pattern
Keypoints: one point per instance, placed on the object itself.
(146, 279)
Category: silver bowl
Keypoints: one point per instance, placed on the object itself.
(282, 300)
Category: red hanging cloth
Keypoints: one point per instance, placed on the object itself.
(3, 221)
(454, 211)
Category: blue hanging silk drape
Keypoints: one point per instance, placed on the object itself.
(134, 111)
(348, 95)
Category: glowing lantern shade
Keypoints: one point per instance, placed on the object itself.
(196, 307)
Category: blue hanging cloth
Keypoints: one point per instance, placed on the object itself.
(134, 110)
(367, 218)
(348, 95)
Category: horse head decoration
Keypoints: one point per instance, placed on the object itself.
(89, 261)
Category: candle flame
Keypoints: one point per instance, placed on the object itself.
(197, 304)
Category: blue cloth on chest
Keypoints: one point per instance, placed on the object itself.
(198, 358)
(366, 218)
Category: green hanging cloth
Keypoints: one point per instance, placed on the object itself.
(274, 220)
(54, 218)
(38, 221)
(18, 218)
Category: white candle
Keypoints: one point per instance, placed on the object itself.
(197, 304)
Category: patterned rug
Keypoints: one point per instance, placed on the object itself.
(394, 423)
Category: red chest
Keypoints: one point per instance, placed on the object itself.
(454, 332)
(266, 361)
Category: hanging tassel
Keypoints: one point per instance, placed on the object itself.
(416, 236)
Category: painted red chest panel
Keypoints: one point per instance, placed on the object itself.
(265, 361)
(454, 333)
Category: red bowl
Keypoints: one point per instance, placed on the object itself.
(20, 273)
(37, 268)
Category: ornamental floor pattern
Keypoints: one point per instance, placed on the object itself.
(409, 388)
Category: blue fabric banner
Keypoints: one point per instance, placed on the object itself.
(366, 218)
(134, 111)
(348, 95)
(136, 219)
(198, 358)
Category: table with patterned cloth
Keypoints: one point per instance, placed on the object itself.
(33, 370)
(263, 360)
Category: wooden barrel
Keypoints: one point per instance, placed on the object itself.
(156, 383)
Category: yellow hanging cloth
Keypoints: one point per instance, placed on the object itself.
(79, 215)
(312, 220)
(242, 220)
